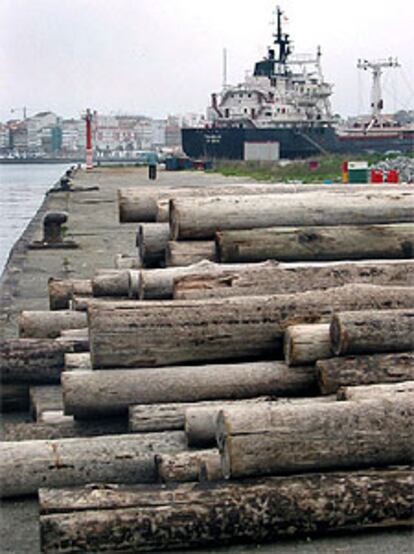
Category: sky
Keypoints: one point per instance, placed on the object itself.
(160, 57)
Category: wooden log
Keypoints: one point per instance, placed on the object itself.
(144, 418)
(185, 253)
(111, 392)
(45, 399)
(201, 218)
(140, 204)
(66, 427)
(183, 466)
(210, 470)
(159, 283)
(305, 344)
(28, 465)
(44, 324)
(264, 440)
(368, 332)
(343, 242)
(369, 392)
(364, 370)
(31, 361)
(74, 340)
(200, 422)
(190, 515)
(152, 240)
(129, 334)
(273, 278)
(61, 291)
(125, 261)
(81, 360)
(13, 398)
(111, 282)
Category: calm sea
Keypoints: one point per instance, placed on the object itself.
(22, 188)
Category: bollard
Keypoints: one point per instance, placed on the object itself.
(152, 172)
(52, 227)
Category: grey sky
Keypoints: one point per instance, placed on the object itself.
(165, 56)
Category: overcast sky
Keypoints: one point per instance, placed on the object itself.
(158, 57)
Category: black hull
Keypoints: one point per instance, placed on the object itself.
(228, 143)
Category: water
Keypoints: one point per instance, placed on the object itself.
(22, 189)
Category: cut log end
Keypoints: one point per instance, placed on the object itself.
(338, 336)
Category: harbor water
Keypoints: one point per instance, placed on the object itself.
(22, 189)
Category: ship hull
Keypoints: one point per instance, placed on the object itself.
(228, 143)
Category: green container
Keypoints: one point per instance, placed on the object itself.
(358, 176)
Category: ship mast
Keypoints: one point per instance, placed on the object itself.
(282, 39)
(377, 102)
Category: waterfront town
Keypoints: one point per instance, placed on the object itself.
(47, 135)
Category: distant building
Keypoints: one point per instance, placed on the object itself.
(4, 138)
(73, 136)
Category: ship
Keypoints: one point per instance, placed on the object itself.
(286, 103)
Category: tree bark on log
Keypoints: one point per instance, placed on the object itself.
(152, 240)
(273, 278)
(125, 261)
(111, 282)
(264, 440)
(31, 361)
(80, 360)
(95, 393)
(139, 205)
(305, 344)
(66, 428)
(45, 399)
(185, 253)
(129, 334)
(187, 515)
(364, 370)
(201, 218)
(144, 418)
(369, 392)
(210, 470)
(44, 324)
(61, 291)
(183, 466)
(74, 340)
(342, 242)
(28, 465)
(367, 332)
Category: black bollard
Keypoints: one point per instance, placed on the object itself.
(52, 227)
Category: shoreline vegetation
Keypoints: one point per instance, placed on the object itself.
(326, 168)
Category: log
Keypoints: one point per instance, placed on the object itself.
(273, 278)
(125, 261)
(152, 240)
(159, 283)
(200, 422)
(31, 361)
(80, 360)
(28, 465)
(61, 291)
(111, 282)
(111, 392)
(305, 344)
(44, 324)
(144, 418)
(185, 253)
(138, 205)
(364, 370)
(264, 440)
(45, 399)
(369, 392)
(129, 334)
(373, 332)
(183, 466)
(65, 428)
(210, 470)
(13, 398)
(74, 340)
(201, 218)
(343, 242)
(189, 515)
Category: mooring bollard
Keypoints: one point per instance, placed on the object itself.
(52, 227)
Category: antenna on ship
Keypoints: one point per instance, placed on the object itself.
(377, 102)
(224, 68)
(282, 39)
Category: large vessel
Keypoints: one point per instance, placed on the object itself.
(286, 102)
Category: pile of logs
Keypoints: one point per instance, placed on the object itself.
(193, 402)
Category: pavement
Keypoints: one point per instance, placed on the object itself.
(93, 223)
